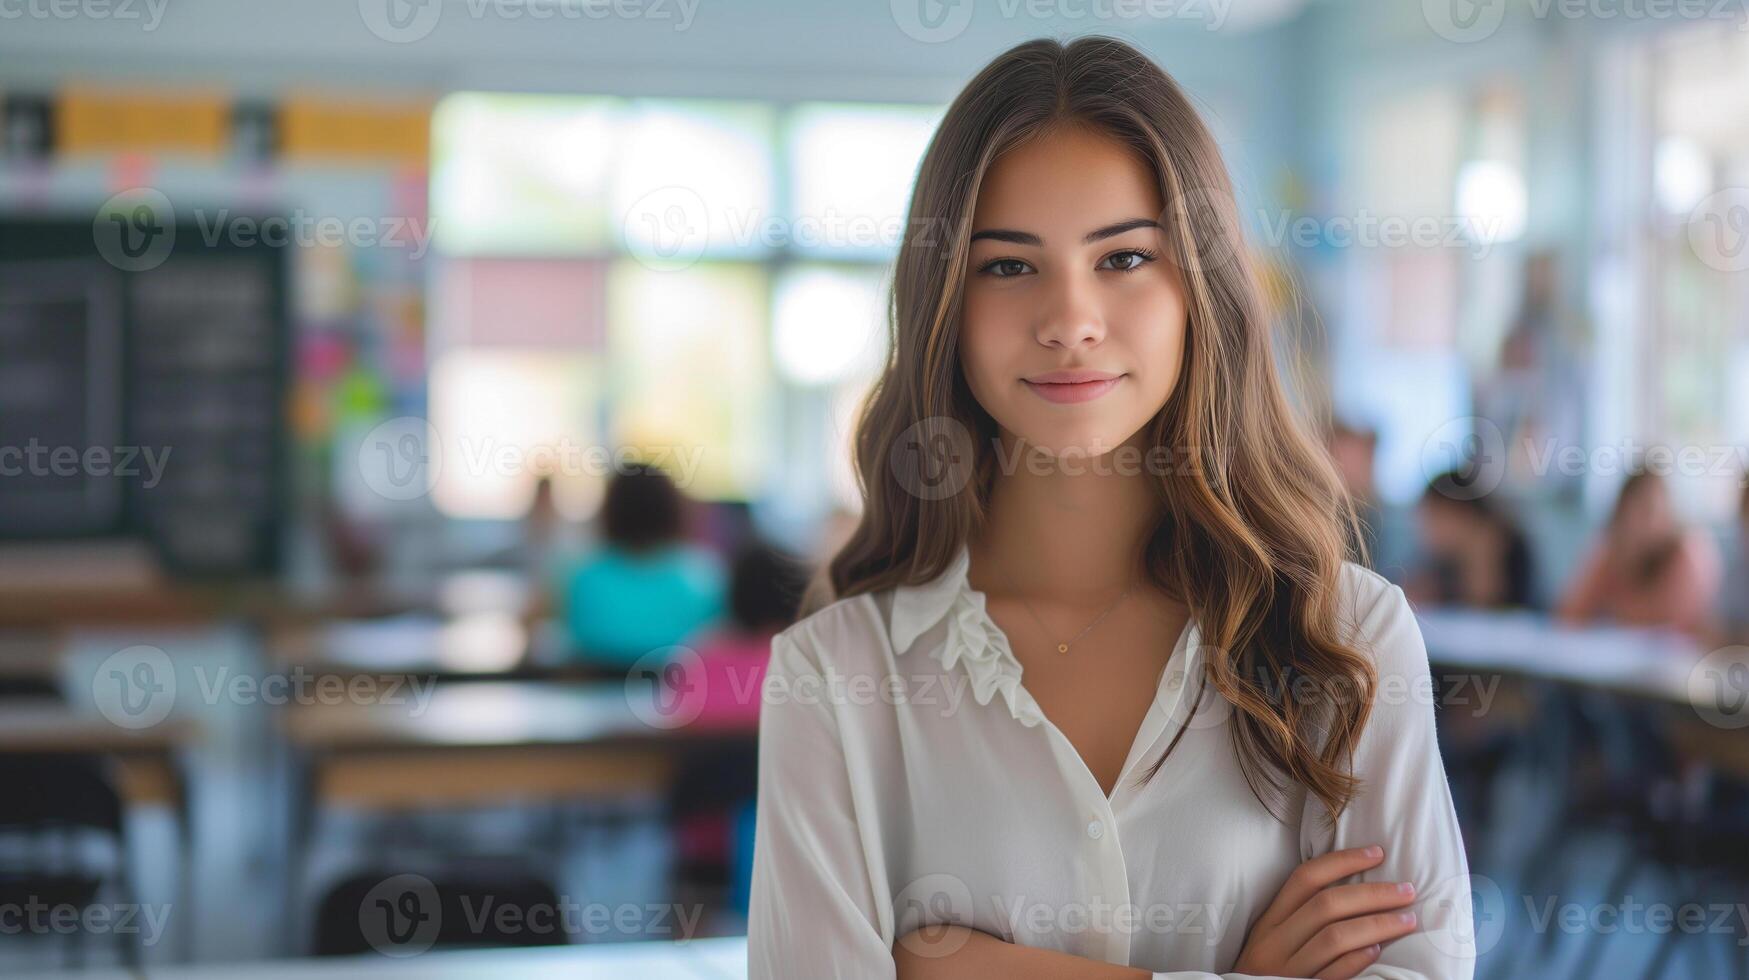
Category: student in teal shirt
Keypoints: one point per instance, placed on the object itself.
(644, 587)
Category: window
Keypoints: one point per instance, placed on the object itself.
(702, 280)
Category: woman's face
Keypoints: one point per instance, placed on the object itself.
(1069, 279)
(1646, 514)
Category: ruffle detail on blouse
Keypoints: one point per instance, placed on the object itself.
(973, 643)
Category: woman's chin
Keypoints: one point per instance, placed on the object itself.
(1072, 447)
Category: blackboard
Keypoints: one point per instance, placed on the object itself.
(166, 376)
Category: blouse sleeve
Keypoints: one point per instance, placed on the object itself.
(1404, 804)
(813, 912)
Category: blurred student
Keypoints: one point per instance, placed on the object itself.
(1732, 620)
(721, 686)
(1646, 569)
(643, 587)
(1472, 553)
(765, 591)
(548, 551)
(1353, 451)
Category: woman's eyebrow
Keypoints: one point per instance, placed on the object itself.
(1100, 234)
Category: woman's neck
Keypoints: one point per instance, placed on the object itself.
(1072, 528)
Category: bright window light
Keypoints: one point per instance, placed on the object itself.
(1491, 198)
(692, 178)
(852, 168)
(1682, 175)
(503, 419)
(522, 174)
(829, 323)
(690, 384)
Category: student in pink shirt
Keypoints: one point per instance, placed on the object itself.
(1646, 568)
(765, 590)
(722, 682)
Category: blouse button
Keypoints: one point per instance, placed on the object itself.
(1096, 830)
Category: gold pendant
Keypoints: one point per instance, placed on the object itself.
(1062, 648)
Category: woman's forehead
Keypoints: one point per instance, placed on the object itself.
(1066, 183)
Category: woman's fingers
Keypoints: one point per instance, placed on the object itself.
(1313, 876)
(1340, 902)
(1349, 967)
(1339, 939)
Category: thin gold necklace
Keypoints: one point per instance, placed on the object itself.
(1063, 647)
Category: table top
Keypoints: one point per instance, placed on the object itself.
(497, 714)
(1647, 663)
(32, 724)
(697, 959)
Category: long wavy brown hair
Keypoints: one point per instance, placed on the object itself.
(1252, 537)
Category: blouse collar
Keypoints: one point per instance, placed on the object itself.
(975, 643)
(918, 607)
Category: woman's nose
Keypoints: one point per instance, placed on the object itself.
(1070, 316)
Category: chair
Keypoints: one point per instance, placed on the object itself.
(471, 905)
(50, 801)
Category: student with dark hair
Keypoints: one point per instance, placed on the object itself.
(765, 590)
(1472, 553)
(1731, 623)
(718, 685)
(644, 587)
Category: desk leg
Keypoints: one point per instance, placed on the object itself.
(185, 865)
(302, 772)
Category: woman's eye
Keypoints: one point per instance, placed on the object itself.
(1005, 268)
(1130, 260)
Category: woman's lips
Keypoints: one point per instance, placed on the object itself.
(1064, 393)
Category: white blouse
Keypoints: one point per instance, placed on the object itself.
(887, 801)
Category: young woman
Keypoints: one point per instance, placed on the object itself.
(1080, 472)
(1646, 568)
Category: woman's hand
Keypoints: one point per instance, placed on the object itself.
(1316, 928)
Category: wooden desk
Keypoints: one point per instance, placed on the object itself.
(487, 741)
(146, 759)
(147, 765)
(47, 603)
(697, 959)
(483, 743)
